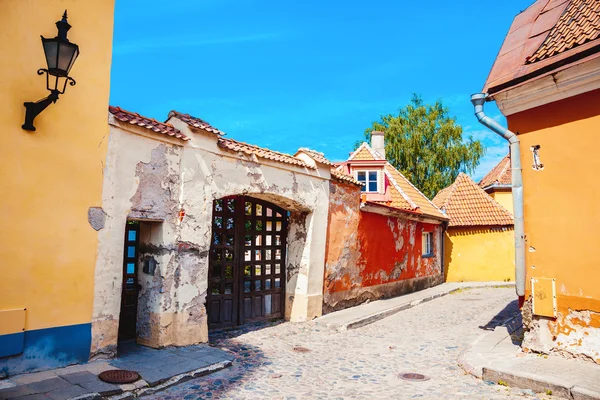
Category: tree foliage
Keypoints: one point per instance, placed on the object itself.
(427, 145)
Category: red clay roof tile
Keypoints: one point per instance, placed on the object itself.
(315, 155)
(549, 34)
(148, 123)
(500, 175)
(195, 122)
(261, 152)
(579, 24)
(344, 178)
(466, 204)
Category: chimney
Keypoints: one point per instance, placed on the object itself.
(378, 142)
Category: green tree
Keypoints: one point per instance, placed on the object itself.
(427, 145)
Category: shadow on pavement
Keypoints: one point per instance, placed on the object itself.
(509, 311)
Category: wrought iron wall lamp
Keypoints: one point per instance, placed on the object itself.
(60, 57)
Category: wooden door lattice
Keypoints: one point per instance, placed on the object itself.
(247, 262)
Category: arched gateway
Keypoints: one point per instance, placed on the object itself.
(247, 262)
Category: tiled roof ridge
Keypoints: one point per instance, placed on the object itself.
(317, 155)
(451, 189)
(552, 46)
(414, 187)
(495, 175)
(195, 122)
(266, 153)
(344, 177)
(399, 189)
(365, 145)
(152, 124)
(506, 218)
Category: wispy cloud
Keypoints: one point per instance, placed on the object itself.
(140, 46)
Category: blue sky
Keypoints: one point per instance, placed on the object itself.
(310, 73)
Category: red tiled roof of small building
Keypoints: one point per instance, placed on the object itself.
(404, 195)
(148, 123)
(549, 34)
(466, 204)
(500, 175)
(195, 122)
(261, 152)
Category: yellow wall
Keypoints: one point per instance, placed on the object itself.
(52, 176)
(504, 198)
(562, 211)
(479, 254)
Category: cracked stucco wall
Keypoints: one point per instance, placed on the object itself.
(169, 187)
(372, 256)
(572, 334)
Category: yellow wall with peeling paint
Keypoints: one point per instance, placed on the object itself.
(51, 177)
(479, 254)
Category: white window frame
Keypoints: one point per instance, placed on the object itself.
(427, 245)
(367, 181)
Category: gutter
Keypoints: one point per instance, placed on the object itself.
(517, 186)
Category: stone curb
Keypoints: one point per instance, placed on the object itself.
(148, 390)
(540, 384)
(485, 343)
(374, 317)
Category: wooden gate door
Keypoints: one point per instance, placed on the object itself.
(247, 262)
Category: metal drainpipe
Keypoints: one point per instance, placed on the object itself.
(517, 186)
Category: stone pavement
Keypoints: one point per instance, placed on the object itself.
(158, 369)
(364, 314)
(310, 361)
(497, 357)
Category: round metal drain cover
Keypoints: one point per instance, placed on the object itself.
(411, 376)
(119, 376)
(301, 349)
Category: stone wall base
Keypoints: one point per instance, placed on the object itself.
(571, 334)
(353, 297)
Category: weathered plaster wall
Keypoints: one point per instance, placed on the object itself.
(561, 218)
(142, 183)
(209, 173)
(372, 256)
(479, 254)
(171, 186)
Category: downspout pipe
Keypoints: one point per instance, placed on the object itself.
(517, 186)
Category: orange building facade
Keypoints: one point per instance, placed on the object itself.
(384, 237)
(546, 81)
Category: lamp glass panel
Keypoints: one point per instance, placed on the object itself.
(66, 53)
(51, 52)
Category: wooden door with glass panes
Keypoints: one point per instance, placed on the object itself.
(129, 296)
(247, 262)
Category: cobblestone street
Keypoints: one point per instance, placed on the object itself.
(362, 363)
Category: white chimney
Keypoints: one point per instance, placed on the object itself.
(378, 142)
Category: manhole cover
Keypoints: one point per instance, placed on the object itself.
(411, 376)
(119, 376)
(301, 349)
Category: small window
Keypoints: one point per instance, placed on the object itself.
(369, 180)
(427, 250)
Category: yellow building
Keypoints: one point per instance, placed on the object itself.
(498, 183)
(546, 81)
(479, 243)
(52, 180)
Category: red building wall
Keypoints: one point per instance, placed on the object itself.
(371, 256)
